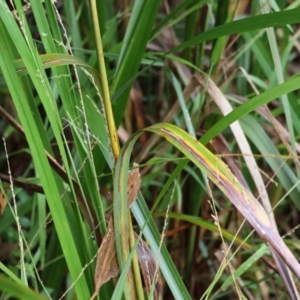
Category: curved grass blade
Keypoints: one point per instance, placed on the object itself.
(218, 172)
(290, 85)
(92, 112)
(145, 222)
(281, 18)
(243, 200)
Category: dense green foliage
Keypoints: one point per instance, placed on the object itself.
(200, 65)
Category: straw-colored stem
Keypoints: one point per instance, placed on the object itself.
(136, 280)
(135, 264)
(106, 96)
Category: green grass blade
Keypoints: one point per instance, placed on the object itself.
(17, 290)
(166, 264)
(207, 225)
(145, 221)
(184, 109)
(266, 147)
(248, 24)
(137, 34)
(52, 185)
(290, 85)
(246, 265)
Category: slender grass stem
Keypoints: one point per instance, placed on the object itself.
(136, 279)
(106, 96)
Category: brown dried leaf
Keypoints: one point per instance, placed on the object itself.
(138, 113)
(133, 185)
(6, 249)
(149, 268)
(107, 263)
(3, 202)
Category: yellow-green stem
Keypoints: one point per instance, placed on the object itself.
(135, 264)
(106, 96)
(114, 138)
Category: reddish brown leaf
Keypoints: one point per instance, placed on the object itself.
(6, 249)
(3, 203)
(107, 263)
(133, 185)
(150, 271)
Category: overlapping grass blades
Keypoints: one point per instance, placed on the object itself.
(71, 99)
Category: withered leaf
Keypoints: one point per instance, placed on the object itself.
(150, 271)
(3, 202)
(107, 263)
(6, 249)
(133, 185)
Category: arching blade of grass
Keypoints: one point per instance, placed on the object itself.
(282, 18)
(217, 171)
(145, 222)
(257, 101)
(92, 113)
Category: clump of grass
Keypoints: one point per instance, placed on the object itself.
(77, 80)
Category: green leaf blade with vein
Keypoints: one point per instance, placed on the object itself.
(207, 225)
